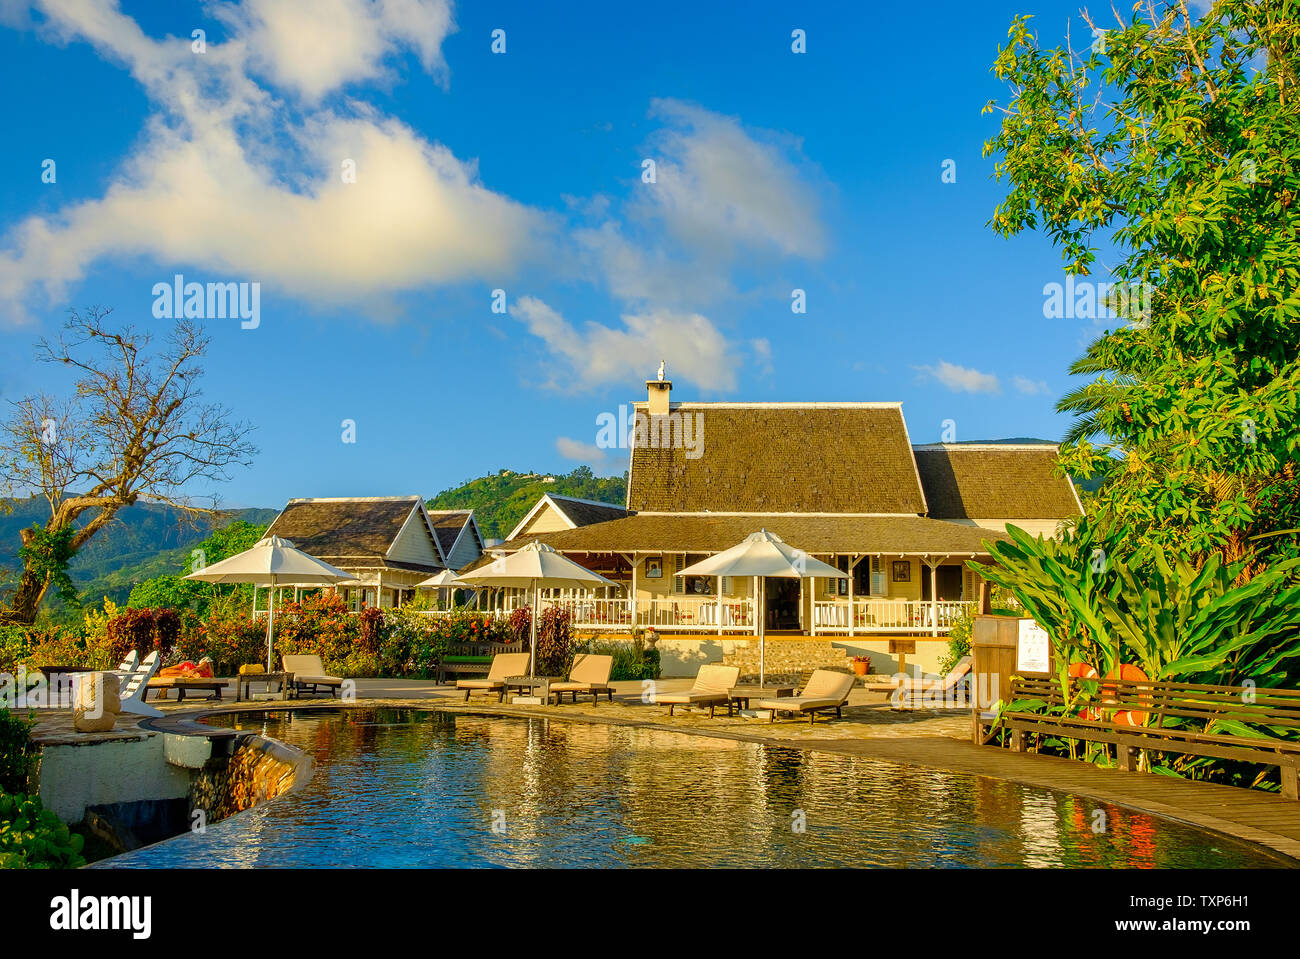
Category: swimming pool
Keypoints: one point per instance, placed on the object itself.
(397, 787)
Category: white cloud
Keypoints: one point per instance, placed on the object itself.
(598, 459)
(226, 180)
(1029, 387)
(315, 47)
(723, 196)
(596, 355)
(719, 187)
(960, 379)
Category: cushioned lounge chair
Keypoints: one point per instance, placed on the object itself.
(503, 665)
(908, 693)
(590, 674)
(309, 671)
(826, 690)
(712, 688)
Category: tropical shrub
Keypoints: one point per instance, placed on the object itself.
(17, 754)
(32, 837)
(231, 639)
(321, 624)
(1175, 621)
(554, 642)
(142, 630)
(632, 660)
(15, 646)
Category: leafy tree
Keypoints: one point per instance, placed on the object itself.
(1176, 142)
(172, 590)
(135, 429)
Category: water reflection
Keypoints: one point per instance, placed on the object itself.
(410, 788)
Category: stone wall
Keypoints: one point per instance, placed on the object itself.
(786, 660)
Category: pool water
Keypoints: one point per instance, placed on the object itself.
(416, 788)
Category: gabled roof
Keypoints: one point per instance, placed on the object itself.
(447, 526)
(696, 533)
(352, 531)
(847, 458)
(574, 511)
(995, 481)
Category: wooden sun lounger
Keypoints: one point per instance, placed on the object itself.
(590, 674)
(182, 685)
(826, 690)
(908, 693)
(503, 665)
(309, 671)
(712, 688)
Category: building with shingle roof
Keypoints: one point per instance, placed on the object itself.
(389, 543)
(840, 481)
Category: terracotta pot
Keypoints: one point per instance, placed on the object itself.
(860, 669)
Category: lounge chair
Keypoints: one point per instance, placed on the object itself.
(712, 688)
(907, 693)
(136, 684)
(826, 690)
(590, 674)
(309, 671)
(503, 665)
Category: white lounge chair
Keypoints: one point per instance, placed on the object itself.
(908, 693)
(136, 684)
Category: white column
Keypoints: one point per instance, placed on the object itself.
(934, 599)
(719, 578)
(853, 564)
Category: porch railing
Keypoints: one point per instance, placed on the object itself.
(888, 615)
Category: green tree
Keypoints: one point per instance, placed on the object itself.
(173, 591)
(1175, 143)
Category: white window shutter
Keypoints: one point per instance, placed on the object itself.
(679, 584)
(726, 585)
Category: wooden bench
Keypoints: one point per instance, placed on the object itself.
(1135, 715)
(471, 659)
(182, 685)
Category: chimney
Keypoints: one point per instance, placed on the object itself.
(660, 390)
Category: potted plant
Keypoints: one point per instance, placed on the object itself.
(860, 664)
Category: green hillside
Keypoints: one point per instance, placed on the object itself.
(500, 501)
(143, 541)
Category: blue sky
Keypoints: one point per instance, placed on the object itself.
(523, 171)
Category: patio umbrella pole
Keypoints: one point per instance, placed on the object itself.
(532, 630)
(762, 631)
(270, 625)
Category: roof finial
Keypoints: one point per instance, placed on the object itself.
(661, 371)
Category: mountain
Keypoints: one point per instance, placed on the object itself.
(142, 541)
(501, 500)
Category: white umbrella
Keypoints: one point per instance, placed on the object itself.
(534, 566)
(272, 562)
(448, 579)
(762, 554)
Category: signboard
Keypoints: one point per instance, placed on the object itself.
(1033, 649)
(904, 646)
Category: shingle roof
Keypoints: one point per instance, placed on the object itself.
(583, 512)
(447, 524)
(346, 531)
(992, 482)
(813, 534)
(777, 458)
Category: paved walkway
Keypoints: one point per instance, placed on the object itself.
(931, 738)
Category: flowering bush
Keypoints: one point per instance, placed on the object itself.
(520, 625)
(231, 639)
(322, 625)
